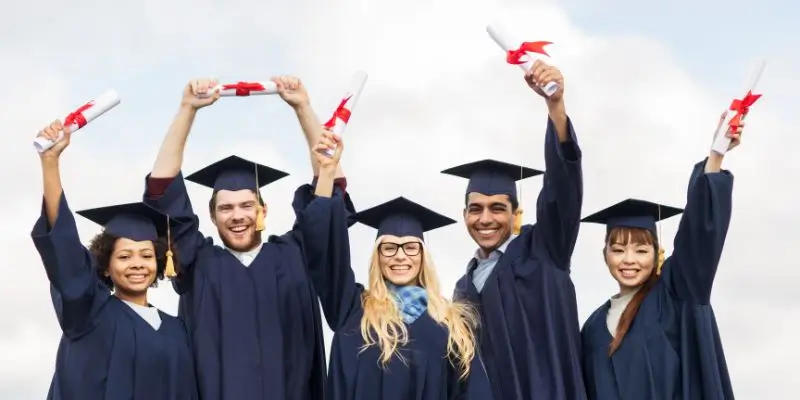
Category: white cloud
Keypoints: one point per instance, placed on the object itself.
(439, 94)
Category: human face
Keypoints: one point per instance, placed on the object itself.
(132, 268)
(400, 259)
(488, 220)
(235, 218)
(630, 264)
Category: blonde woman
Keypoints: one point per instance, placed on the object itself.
(398, 338)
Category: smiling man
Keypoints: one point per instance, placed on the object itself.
(249, 305)
(521, 285)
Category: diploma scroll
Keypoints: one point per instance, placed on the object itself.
(524, 55)
(341, 116)
(243, 89)
(81, 116)
(736, 111)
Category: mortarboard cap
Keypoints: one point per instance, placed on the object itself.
(134, 221)
(235, 173)
(402, 217)
(633, 213)
(491, 177)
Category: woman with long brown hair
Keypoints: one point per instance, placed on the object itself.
(657, 338)
(397, 338)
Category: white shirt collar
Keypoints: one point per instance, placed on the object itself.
(246, 257)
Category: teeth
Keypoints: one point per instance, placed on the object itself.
(400, 268)
(486, 231)
(239, 229)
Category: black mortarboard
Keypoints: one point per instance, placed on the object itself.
(633, 213)
(235, 173)
(491, 177)
(402, 217)
(134, 221)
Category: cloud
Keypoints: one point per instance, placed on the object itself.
(439, 94)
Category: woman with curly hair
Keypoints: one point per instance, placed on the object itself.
(114, 344)
(398, 338)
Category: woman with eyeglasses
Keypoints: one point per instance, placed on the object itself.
(397, 338)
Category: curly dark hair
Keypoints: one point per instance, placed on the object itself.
(102, 247)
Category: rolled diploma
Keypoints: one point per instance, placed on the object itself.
(721, 142)
(499, 37)
(354, 92)
(269, 88)
(99, 106)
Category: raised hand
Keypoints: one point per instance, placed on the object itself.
(328, 141)
(52, 132)
(291, 90)
(541, 74)
(197, 87)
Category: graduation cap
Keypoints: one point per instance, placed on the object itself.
(492, 177)
(402, 217)
(235, 173)
(634, 213)
(134, 221)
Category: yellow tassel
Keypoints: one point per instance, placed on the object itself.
(518, 221)
(661, 259)
(169, 272)
(260, 219)
(169, 269)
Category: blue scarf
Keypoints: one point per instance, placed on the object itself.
(411, 300)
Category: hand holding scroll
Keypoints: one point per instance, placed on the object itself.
(200, 93)
(53, 133)
(540, 75)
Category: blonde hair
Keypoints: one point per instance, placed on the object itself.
(382, 324)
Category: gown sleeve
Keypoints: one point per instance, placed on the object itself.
(323, 223)
(558, 206)
(698, 244)
(76, 292)
(186, 236)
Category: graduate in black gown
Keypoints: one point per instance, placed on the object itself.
(658, 338)
(248, 304)
(398, 338)
(520, 281)
(114, 346)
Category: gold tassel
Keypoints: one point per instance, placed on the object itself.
(260, 212)
(661, 259)
(260, 218)
(169, 270)
(518, 221)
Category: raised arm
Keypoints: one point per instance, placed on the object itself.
(323, 224)
(558, 206)
(294, 93)
(164, 186)
(76, 292)
(698, 245)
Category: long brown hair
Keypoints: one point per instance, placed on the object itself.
(624, 236)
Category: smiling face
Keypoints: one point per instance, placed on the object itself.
(234, 214)
(630, 256)
(132, 267)
(400, 259)
(488, 220)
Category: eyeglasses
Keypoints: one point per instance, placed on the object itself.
(388, 249)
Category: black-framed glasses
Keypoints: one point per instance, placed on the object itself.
(388, 249)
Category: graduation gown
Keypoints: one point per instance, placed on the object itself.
(426, 374)
(672, 349)
(107, 351)
(256, 330)
(530, 334)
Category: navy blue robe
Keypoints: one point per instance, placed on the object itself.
(530, 334)
(427, 373)
(672, 349)
(256, 330)
(107, 350)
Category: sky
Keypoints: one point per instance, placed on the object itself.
(644, 88)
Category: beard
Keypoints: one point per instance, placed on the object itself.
(254, 241)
